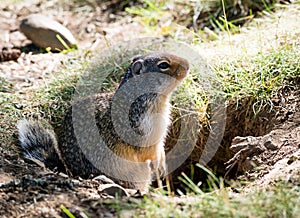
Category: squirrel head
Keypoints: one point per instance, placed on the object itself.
(157, 62)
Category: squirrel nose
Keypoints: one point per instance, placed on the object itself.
(185, 65)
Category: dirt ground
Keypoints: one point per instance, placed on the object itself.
(29, 190)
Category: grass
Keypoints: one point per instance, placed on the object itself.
(280, 201)
(66, 211)
(260, 77)
(48, 102)
(197, 18)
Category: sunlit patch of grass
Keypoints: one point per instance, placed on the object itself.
(201, 20)
(280, 200)
(161, 18)
(191, 95)
(260, 77)
(151, 13)
(48, 102)
(51, 101)
(257, 78)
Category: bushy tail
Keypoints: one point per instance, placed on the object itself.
(39, 143)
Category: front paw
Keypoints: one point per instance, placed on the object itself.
(159, 168)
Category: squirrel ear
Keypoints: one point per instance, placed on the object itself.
(137, 66)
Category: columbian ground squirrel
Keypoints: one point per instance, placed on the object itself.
(120, 135)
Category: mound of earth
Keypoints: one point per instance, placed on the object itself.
(275, 155)
(260, 147)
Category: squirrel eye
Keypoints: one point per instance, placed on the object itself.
(164, 65)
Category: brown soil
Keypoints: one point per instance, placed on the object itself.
(265, 146)
(253, 145)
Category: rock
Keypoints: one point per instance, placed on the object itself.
(113, 190)
(264, 151)
(5, 178)
(43, 31)
(103, 179)
(7, 54)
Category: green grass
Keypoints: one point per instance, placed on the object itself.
(48, 102)
(197, 18)
(257, 79)
(260, 77)
(280, 201)
(66, 211)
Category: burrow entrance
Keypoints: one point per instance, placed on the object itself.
(241, 121)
